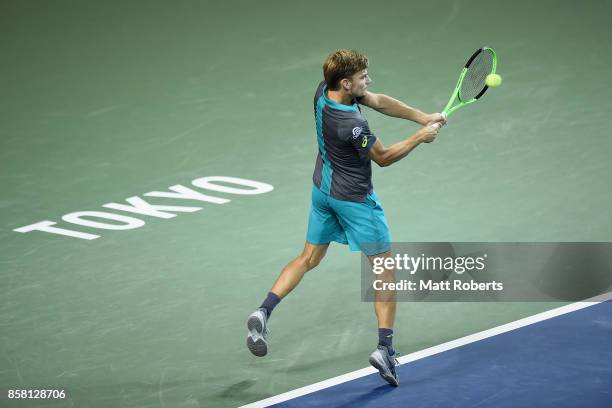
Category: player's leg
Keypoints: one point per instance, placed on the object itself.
(384, 358)
(323, 228)
(385, 304)
(294, 271)
(288, 279)
(367, 230)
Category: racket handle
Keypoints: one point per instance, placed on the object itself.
(445, 115)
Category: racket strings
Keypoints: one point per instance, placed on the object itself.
(474, 81)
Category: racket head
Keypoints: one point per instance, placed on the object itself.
(482, 63)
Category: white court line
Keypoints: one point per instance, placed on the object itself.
(417, 355)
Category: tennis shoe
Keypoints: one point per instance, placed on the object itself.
(385, 363)
(258, 331)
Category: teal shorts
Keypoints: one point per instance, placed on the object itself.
(363, 226)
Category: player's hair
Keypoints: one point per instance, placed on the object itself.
(342, 64)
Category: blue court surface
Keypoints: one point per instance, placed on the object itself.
(559, 358)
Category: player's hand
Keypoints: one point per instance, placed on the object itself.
(437, 118)
(428, 133)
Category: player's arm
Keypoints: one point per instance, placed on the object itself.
(386, 156)
(398, 109)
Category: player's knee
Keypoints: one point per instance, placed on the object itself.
(313, 262)
(310, 261)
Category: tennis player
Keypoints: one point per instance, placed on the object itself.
(344, 207)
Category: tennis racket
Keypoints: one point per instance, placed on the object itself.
(471, 84)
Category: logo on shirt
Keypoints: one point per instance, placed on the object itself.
(364, 142)
(356, 132)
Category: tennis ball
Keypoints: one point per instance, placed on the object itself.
(493, 80)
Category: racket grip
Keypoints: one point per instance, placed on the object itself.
(445, 115)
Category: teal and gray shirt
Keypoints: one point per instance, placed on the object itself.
(343, 169)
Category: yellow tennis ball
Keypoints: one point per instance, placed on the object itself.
(493, 80)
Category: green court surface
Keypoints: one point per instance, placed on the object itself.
(102, 101)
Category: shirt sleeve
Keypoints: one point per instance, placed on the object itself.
(359, 135)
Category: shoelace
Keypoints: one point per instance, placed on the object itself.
(266, 331)
(396, 362)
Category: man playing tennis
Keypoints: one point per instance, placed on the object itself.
(345, 207)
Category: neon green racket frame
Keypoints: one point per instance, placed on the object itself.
(448, 109)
